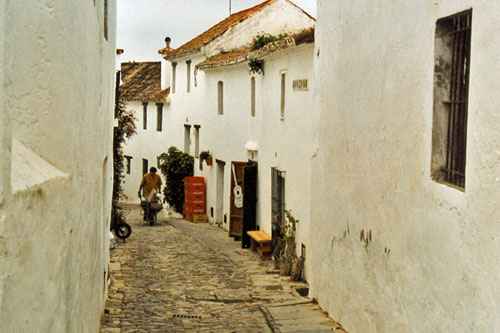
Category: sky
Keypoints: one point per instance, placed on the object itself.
(144, 24)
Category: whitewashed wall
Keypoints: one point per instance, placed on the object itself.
(226, 135)
(147, 143)
(287, 144)
(276, 18)
(372, 172)
(57, 102)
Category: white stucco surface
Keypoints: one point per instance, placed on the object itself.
(290, 20)
(371, 173)
(238, 136)
(29, 169)
(57, 100)
(146, 144)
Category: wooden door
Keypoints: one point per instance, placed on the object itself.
(249, 202)
(236, 213)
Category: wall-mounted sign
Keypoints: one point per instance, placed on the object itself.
(300, 85)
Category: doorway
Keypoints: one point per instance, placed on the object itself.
(277, 201)
(250, 174)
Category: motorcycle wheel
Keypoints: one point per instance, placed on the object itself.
(152, 220)
(123, 230)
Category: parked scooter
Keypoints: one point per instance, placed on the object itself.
(151, 208)
(122, 229)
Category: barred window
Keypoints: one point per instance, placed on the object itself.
(451, 90)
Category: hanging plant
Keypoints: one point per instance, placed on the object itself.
(256, 66)
(206, 156)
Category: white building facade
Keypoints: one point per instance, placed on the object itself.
(217, 105)
(56, 101)
(398, 247)
(141, 90)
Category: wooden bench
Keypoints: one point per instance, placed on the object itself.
(261, 243)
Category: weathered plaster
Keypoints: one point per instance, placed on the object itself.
(431, 263)
(289, 20)
(58, 90)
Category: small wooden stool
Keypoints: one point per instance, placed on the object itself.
(261, 243)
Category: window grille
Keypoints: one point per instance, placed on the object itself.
(454, 168)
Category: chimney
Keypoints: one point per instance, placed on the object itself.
(167, 41)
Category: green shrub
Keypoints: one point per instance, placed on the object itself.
(175, 165)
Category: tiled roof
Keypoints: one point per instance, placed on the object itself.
(225, 59)
(198, 42)
(244, 54)
(142, 82)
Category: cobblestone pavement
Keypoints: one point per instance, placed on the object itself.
(178, 276)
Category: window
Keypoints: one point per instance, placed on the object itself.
(187, 138)
(144, 166)
(196, 140)
(127, 163)
(220, 97)
(252, 96)
(105, 19)
(174, 66)
(188, 78)
(159, 116)
(283, 81)
(144, 115)
(451, 88)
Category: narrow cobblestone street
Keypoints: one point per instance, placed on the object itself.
(181, 276)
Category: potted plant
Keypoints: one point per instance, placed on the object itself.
(206, 156)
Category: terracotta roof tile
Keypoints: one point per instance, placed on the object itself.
(225, 59)
(244, 54)
(198, 42)
(142, 81)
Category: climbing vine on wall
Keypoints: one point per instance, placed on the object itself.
(126, 128)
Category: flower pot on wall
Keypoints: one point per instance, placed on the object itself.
(209, 161)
